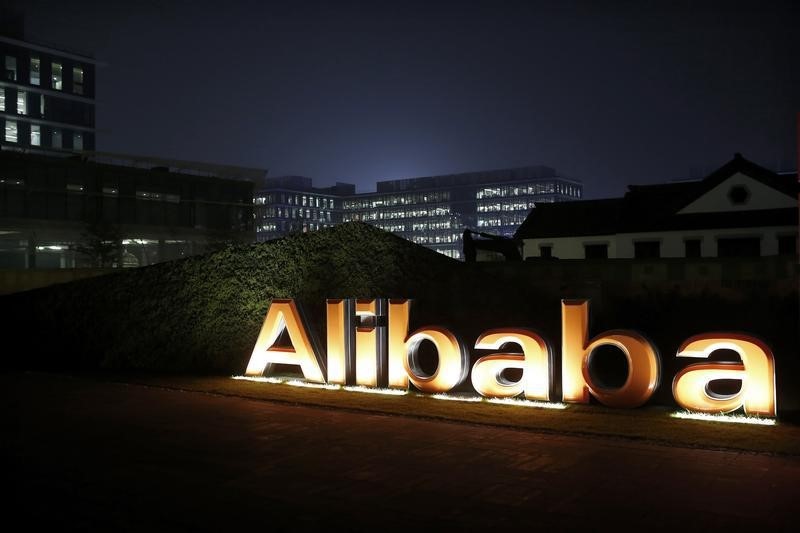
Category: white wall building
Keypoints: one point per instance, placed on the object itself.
(740, 210)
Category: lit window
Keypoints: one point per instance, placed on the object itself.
(148, 195)
(41, 105)
(22, 103)
(11, 131)
(57, 76)
(77, 80)
(36, 67)
(36, 135)
(77, 141)
(2, 98)
(11, 68)
(56, 139)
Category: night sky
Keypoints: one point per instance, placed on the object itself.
(632, 92)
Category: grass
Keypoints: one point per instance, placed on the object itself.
(649, 424)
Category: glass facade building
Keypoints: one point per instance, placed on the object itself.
(431, 211)
(290, 204)
(75, 212)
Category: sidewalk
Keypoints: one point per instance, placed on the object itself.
(88, 455)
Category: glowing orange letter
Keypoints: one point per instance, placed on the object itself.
(340, 340)
(453, 360)
(534, 361)
(284, 315)
(370, 343)
(644, 366)
(398, 329)
(756, 372)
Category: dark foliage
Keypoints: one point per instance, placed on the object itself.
(203, 314)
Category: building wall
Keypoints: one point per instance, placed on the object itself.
(672, 243)
(758, 196)
(46, 109)
(51, 207)
(280, 212)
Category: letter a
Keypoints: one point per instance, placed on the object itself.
(534, 361)
(284, 315)
(756, 372)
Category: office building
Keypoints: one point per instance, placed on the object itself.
(289, 204)
(47, 98)
(431, 211)
(434, 211)
(106, 210)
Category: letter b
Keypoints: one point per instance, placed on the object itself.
(644, 365)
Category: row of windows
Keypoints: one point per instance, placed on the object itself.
(268, 227)
(71, 205)
(504, 220)
(37, 105)
(56, 74)
(397, 213)
(56, 136)
(56, 182)
(496, 206)
(295, 212)
(548, 187)
(148, 195)
(391, 227)
(294, 199)
(22, 102)
(726, 247)
(398, 199)
(433, 224)
(107, 191)
(436, 238)
(271, 230)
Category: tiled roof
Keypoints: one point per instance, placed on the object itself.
(655, 207)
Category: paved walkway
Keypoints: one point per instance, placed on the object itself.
(89, 455)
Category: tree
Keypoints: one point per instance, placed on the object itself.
(101, 244)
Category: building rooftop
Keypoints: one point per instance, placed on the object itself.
(653, 207)
(197, 168)
(468, 178)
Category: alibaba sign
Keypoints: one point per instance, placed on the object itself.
(368, 343)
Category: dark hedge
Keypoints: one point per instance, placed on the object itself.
(203, 314)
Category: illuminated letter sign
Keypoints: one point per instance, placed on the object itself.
(534, 361)
(453, 360)
(399, 311)
(369, 344)
(340, 340)
(756, 373)
(644, 366)
(284, 315)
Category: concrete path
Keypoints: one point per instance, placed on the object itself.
(85, 455)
